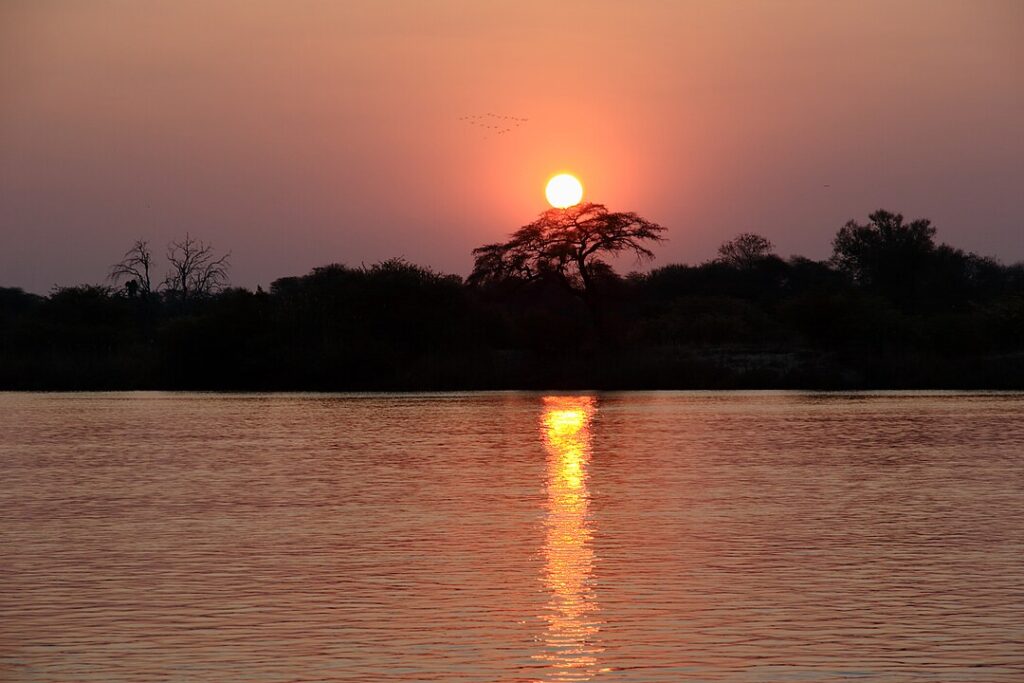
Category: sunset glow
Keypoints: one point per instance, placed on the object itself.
(548, 342)
(564, 190)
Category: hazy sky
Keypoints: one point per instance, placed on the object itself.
(302, 133)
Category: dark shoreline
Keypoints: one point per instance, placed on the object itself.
(926, 317)
(703, 370)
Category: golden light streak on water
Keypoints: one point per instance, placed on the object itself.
(572, 616)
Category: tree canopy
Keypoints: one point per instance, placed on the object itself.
(745, 250)
(569, 245)
(885, 253)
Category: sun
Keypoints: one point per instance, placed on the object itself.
(563, 191)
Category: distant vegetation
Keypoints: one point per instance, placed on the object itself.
(890, 309)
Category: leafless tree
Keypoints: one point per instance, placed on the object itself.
(134, 269)
(569, 245)
(196, 270)
(745, 250)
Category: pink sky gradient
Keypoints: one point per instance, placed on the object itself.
(302, 133)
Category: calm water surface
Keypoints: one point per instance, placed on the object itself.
(512, 537)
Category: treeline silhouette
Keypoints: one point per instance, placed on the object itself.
(890, 309)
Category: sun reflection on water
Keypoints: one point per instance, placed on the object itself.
(572, 611)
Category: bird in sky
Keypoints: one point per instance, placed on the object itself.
(494, 124)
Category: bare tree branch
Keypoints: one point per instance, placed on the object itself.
(195, 270)
(135, 268)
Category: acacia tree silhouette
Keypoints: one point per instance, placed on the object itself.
(568, 245)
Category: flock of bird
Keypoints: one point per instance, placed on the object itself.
(494, 124)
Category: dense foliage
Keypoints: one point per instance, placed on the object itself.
(891, 308)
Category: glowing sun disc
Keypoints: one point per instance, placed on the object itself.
(563, 191)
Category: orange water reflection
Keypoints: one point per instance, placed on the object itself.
(572, 613)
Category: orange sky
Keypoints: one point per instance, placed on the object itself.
(300, 133)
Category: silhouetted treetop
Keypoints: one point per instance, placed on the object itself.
(885, 253)
(568, 245)
(745, 250)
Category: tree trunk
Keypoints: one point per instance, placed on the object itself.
(593, 303)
